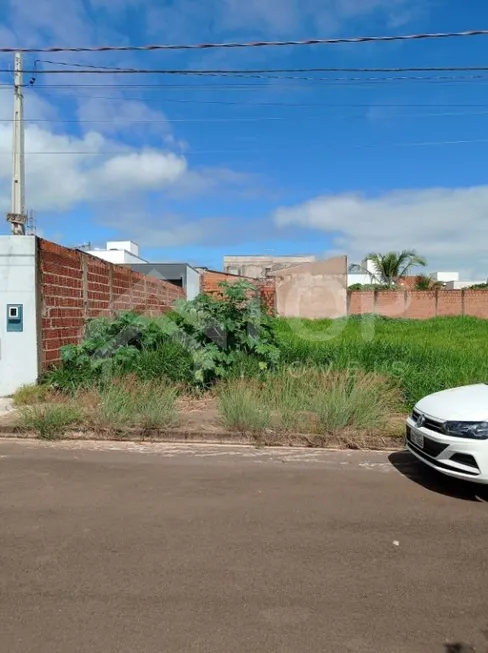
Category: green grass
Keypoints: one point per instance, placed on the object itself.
(421, 356)
(49, 422)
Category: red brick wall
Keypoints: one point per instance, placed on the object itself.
(419, 304)
(360, 303)
(210, 280)
(475, 303)
(74, 286)
(391, 303)
(450, 302)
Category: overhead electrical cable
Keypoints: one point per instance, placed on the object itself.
(261, 150)
(251, 44)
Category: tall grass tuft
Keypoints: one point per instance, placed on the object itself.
(308, 401)
(27, 395)
(50, 421)
(242, 407)
(131, 402)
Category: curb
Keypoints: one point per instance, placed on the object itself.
(365, 443)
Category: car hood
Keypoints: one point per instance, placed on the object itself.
(468, 403)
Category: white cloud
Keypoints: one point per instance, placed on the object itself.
(65, 170)
(77, 22)
(147, 170)
(162, 229)
(447, 225)
(202, 180)
(189, 18)
(112, 115)
(59, 175)
(65, 21)
(166, 230)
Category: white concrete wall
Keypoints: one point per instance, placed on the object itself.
(460, 285)
(446, 276)
(192, 283)
(370, 266)
(117, 256)
(363, 279)
(126, 245)
(18, 351)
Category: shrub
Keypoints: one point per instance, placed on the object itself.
(201, 341)
(227, 330)
(50, 421)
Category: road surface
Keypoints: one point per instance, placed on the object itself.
(120, 548)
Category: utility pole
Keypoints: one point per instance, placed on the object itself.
(17, 217)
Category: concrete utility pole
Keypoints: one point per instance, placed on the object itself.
(17, 216)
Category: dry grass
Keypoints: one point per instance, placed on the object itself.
(241, 409)
(311, 402)
(124, 403)
(346, 408)
(134, 403)
(50, 421)
(29, 395)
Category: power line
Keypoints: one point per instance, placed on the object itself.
(252, 104)
(242, 118)
(106, 70)
(263, 150)
(266, 76)
(330, 80)
(252, 44)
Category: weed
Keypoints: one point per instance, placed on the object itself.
(242, 407)
(28, 395)
(359, 401)
(131, 402)
(50, 421)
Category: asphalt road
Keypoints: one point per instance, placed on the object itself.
(133, 548)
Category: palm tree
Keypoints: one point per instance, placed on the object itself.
(390, 267)
(426, 282)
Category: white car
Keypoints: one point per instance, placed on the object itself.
(448, 430)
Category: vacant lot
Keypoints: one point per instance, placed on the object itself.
(422, 356)
(125, 548)
(346, 381)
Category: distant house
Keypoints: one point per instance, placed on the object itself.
(179, 274)
(262, 266)
(119, 252)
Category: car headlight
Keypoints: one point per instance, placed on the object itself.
(474, 430)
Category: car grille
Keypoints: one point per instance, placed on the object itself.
(431, 448)
(430, 424)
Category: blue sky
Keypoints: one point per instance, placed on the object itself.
(198, 168)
